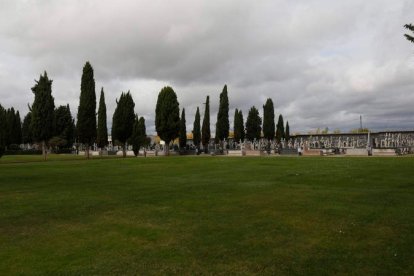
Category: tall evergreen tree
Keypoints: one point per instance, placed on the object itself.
(280, 129)
(205, 130)
(15, 125)
(268, 120)
(139, 134)
(86, 123)
(253, 125)
(222, 125)
(236, 130)
(167, 116)
(123, 120)
(102, 131)
(2, 130)
(9, 127)
(64, 126)
(26, 131)
(183, 131)
(239, 133)
(287, 131)
(42, 112)
(196, 129)
(241, 126)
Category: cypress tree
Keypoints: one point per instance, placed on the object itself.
(12, 128)
(26, 131)
(139, 135)
(123, 120)
(167, 116)
(86, 123)
(238, 126)
(183, 131)
(222, 125)
(17, 129)
(241, 126)
(2, 130)
(9, 127)
(268, 120)
(102, 131)
(64, 126)
(253, 124)
(205, 130)
(287, 132)
(280, 129)
(196, 129)
(236, 130)
(42, 112)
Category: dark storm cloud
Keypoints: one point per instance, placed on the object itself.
(324, 63)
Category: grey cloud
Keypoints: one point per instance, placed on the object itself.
(322, 63)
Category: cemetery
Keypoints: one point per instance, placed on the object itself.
(390, 143)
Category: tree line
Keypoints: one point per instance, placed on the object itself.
(169, 124)
(54, 127)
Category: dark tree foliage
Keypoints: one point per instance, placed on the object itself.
(196, 129)
(280, 129)
(123, 120)
(86, 123)
(205, 130)
(17, 125)
(183, 131)
(102, 131)
(2, 130)
(241, 126)
(13, 127)
(139, 135)
(411, 28)
(26, 130)
(222, 125)
(64, 126)
(236, 133)
(253, 124)
(268, 120)
(43, 111)
(167, 116)
(287, 132)
(8, 126)
(239, 134)
(57, 142)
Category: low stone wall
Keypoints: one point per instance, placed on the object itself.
(253, 153)
(151, 153)
(383, 152)
(236, 153)
(356, 152)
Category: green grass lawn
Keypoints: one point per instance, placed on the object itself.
(207, 215)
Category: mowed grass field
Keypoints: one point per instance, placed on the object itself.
(207, 215)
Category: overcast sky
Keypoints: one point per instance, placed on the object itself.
(322, 62)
